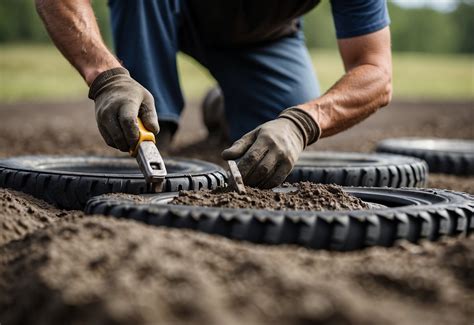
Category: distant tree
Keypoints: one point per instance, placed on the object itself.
(417, 30)
(102, 14)
(463, 17)
(19, 21)
(319, 27)
(422, 30)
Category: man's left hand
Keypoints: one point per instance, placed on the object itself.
(268, 153)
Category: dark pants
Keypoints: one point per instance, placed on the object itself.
(258, 82)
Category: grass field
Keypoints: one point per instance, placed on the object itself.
(40, 73)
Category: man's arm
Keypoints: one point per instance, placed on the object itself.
(73, 28)
(366, 86)
(269, 152)
(119, 99)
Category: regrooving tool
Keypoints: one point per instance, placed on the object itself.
(235, 178)
(149, 159)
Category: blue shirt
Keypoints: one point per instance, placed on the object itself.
(359, 17)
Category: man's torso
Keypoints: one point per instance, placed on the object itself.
(243, 22)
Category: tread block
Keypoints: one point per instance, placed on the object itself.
(357, 169)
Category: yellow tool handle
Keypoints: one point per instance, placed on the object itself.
(144, 135)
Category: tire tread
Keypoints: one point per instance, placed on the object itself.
(73, 192)
(438, 161)
(343, 233)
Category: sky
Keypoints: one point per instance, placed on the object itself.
(442, 5)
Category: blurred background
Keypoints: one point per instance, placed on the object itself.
(433, 47)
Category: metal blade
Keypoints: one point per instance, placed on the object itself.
(151, 165)
(235, 178)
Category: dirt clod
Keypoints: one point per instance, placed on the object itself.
(21, 214)
(306, 196)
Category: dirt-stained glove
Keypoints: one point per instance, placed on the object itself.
(269, 152)
(119, 100)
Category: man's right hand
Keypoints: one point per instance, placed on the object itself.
(119, 100)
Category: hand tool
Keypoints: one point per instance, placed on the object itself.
(149, 159)
(235, 178)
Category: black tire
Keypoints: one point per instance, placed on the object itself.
(442, 155)
(410, 214)
(358, 169)
(69, 181)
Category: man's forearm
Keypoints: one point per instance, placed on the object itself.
(73, 28)
(358, 94)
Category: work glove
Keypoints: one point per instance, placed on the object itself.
(119, 100)
(268, 153)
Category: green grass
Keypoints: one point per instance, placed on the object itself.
(433, 76)
(40, 73)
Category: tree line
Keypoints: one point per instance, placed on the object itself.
(416, 30)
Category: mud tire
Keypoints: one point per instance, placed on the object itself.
(410, 214)
(358, 169)
(442, 155)
(69, 181)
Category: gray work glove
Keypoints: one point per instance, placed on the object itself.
(119, 100)
(269, 152)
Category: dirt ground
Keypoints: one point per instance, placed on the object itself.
(63, 267)
(306, 196)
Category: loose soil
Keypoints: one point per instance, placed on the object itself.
(452, 182)
(101, 270)
(22, 215)
(307, 196)
(63, 267)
